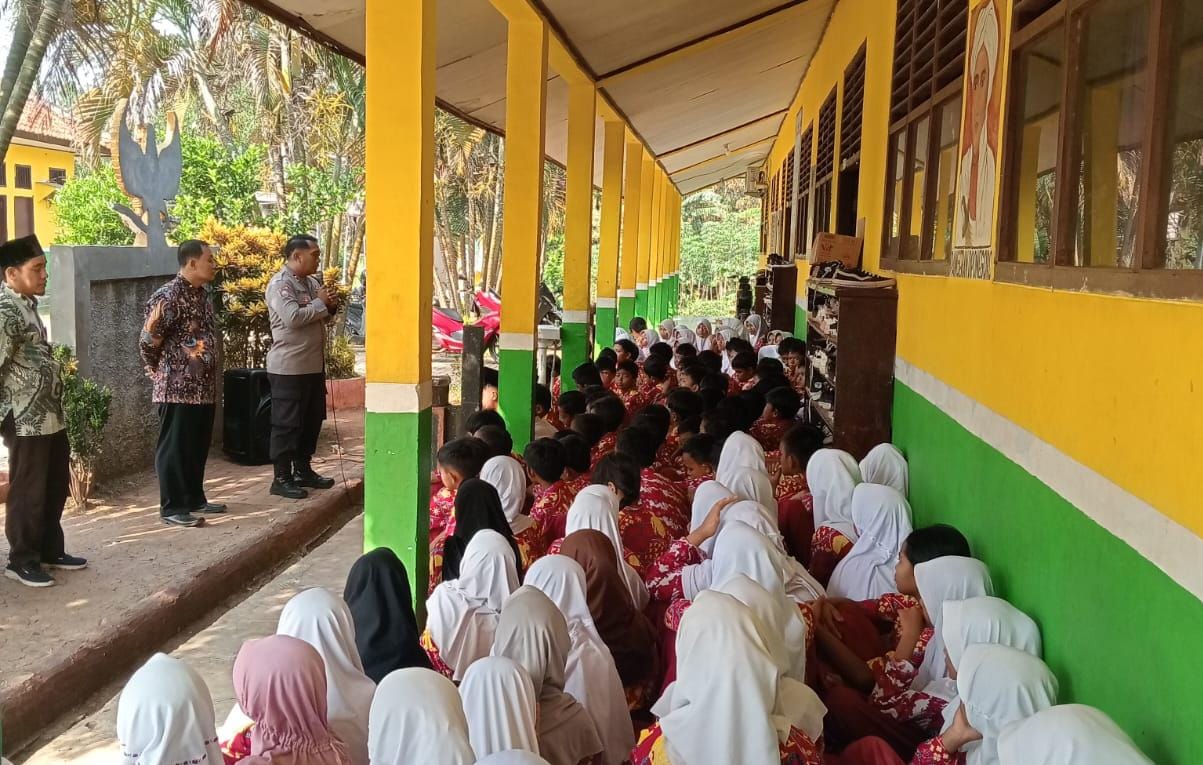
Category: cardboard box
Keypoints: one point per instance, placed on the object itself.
(828, 246)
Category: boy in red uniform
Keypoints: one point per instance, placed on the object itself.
(553, 496)
(457, 461)
(793, 357)
(743, 369)
(795, 506)
(570, 404)
(697, 454)
(780, 412)
(613, 413)
(626, 386)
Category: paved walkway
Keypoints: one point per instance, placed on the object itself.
(92, 740)
(139, 567)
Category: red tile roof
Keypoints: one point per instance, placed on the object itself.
(42, 121)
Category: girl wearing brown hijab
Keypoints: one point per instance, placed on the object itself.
(624, 629)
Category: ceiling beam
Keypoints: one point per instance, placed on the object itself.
(709, 37)
(725, 155)
(299, 23)
(708, 139)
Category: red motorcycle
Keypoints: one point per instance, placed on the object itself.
(448, 326)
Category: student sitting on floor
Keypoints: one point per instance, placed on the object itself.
(592, 429)
(541, 410)
(613, 414)
(165, 714)
(553, 495)
(607, 365)
(477, 507)
(456, 461)
(508, 477)
(743, 369)
(668, 462)
(684, 354)
(649, 525)
(792, 352)
(780, 414)
(884, 464)
(831, 474)
(568, 405)
(1070, 734)
(626, 386)
(418, 716)
(380, 597)
(697, 455)
(690, 376)
(659, 382)
(795, 505)
(577, 461)
(462, 612)
(586, 375)
(626, 350)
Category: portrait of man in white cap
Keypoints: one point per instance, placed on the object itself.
(975, 193)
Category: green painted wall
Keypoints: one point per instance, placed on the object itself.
(1118, 632)
(604, 318)
(640, 305)
(575, 350)
(517, 393)
(626, 312)
(396, 491)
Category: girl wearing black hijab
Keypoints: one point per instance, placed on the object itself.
(381, 603)
(477, 507)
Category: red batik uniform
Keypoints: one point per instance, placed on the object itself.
(442, 508)
(632, 399)
(663, 575)
(550, 511)
(796, 516)
(604, 446)
(432, 652)
(932, 752)
(797, 749)
(734, 387)
(769, 432)
(668, 500)
(827, 548)
(692, 484)
(668, 461)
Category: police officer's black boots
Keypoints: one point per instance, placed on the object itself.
(284, 485)
(304, 475)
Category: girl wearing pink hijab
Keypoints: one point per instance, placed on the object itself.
(280, 683)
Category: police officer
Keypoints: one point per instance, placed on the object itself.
(299, 308)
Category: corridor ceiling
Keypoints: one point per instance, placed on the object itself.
(705, 83)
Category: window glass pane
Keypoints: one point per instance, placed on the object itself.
(918, 180)
(1040, 67)
(23, 177)
(1111, 103)
(946, 180)
(1184, 222)
(898, 163)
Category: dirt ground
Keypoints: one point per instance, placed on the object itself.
(132, 555)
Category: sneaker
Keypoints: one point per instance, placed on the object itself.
(307, 478)
(211, 508)
(186, 520)
(29, 574)
(288, 489)
(67, 562)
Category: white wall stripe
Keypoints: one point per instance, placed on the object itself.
(574, 317)
(640, 286)
(626, 293)
(516, 341)
(607, 302)
(1173, 548)
(397, 398)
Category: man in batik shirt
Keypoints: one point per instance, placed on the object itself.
(31, 422)
(179, 349)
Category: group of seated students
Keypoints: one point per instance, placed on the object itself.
(679, 574)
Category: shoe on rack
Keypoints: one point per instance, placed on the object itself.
(29, 574)
(185, 520)
(67, 562)
(211, 508)
(305, 476)
(287, 488)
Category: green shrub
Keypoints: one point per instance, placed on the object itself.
(86, 406)
(340, 358)
(83, 209)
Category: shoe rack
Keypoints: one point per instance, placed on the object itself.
(850, 347)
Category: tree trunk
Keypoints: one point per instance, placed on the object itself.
(22, 34)
(46, 27)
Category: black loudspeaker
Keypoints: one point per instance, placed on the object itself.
(248, 416)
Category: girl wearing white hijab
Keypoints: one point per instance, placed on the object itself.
(682, 335)
(727, 704)
(1070, 734)
(462, 614)
(703, 331)
(417, 716)
(499, 702)
(756, 330)
(781, 619)
(831, 475)
(508, 477)
(885, 465)
(165, 716)
(666, 331)
(741, 469)
(883, 522)
(941, 580)
(596, 508)
(534, 633)
(323, 620)
(591, 676)
(998, 686)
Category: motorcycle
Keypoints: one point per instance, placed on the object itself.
(448, 327)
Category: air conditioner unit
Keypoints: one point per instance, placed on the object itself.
(754, 182)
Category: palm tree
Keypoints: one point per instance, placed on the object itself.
(36, 23)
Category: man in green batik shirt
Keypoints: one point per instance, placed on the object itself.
(31, 422)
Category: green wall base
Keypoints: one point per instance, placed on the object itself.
(574, 342)
(626, 312)
(516, 395)
(1118, 632)
(640, 305)
(604, 318)
(396, 491)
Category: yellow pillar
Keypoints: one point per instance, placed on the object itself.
(526, 103)
(401, 39)
(654, 247)
(578, 225)
(609, 232)
(632, 210)
(647, 224)
(674, 283)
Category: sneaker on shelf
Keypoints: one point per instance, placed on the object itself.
(855, 277)
(29, 574)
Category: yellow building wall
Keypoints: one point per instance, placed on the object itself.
(40, 158)
(1106, 379)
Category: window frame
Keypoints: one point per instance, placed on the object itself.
(1146, 277)
(806, 188)
(60, 171)
(28, 171)
(942, 89)
(826, 164)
